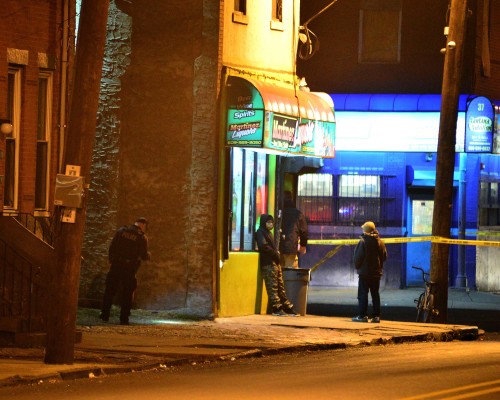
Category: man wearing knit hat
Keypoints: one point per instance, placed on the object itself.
(369, 256)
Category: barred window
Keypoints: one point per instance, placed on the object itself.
(359, 199)
(339, 200)
(314, 197)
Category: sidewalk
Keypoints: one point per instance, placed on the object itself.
(154, 341)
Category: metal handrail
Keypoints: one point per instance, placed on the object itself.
(41, 227)
(20, 287)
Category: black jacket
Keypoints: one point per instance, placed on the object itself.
(369, 255)
(128, 247)
(268, 253)
(293, 228)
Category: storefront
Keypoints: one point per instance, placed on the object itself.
(385, 171)
(265, 123)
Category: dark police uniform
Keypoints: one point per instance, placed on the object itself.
(128, 247)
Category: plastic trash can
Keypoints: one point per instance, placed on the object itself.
(296, 286)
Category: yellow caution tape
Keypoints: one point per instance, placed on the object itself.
(438, 239)
(434, 239)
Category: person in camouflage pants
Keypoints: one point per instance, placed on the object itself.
(272, 274)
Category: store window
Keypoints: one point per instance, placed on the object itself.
(341, 199)
(315, 197)
(380, 31)
(43, 140)
(12, 139)
(249, 190)
(359, 199)
(422, 214)
(489, 204)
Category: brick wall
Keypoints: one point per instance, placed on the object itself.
(31, 40)
(157, 151)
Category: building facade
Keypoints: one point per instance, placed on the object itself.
(391, 52)
(36, 57)
(173, 144)
(156, 154)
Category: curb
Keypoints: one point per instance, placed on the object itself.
(462, 334)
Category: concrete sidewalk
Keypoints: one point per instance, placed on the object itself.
(158, 342)
(457, 298)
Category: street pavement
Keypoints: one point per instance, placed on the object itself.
(154, 340)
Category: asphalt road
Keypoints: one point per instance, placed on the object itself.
(434, 370)
(488, 320)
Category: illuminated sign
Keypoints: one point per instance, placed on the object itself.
(496, 134)
(479, 126)
(308, 138)
(245, 128)
(251, 124)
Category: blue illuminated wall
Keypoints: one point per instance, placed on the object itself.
(339, 270)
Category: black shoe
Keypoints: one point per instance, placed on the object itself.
(104, 317)
(279, 313)
(291, 312)
(359, 318)
(376, 320)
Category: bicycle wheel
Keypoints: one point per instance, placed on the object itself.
(429, 306)
(420, 307)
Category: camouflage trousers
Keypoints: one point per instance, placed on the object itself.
(275, 287)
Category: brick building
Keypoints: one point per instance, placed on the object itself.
(34, 66)
(156, 151)
(36, 55)
(160, 150)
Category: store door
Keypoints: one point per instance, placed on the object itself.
(421, 208)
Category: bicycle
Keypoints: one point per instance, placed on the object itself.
(425, 302)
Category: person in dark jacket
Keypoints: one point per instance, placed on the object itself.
(294, 232)
(369, 257)
(128, 247)
(272, 274)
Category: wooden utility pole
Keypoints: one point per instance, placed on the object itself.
(61, 319)
(441, 220)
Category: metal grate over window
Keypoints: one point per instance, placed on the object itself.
(340, 200)
(359, 199)
(314, 197)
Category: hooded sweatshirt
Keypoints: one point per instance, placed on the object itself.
(369, 255)
(268, 253)
(293, 228)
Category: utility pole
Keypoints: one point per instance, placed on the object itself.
(441, 220)
(61, 318)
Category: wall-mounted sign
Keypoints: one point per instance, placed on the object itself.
(496, 134)
(479, 126)
(278, 124)
(308, 138)
(281, 133)
(245, 128)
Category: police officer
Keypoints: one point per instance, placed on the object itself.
(128, 247)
